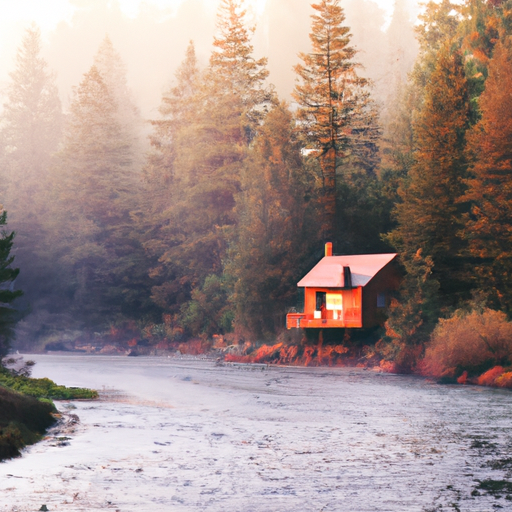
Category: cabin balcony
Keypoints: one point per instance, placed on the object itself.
(348, 318)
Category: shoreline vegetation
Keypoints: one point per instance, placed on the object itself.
(26, 406)
(470, 347)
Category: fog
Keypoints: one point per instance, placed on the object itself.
(152, 40)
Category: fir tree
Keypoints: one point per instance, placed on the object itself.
(7, 294)
(489, 224)
(164, 184)
(430, 214)
(30, 122)
(95, 191)
(209, 151)
(276, 214)
(30, 130)
(110, 66)
(334, 113)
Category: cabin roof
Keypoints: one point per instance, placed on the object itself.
(328, 272)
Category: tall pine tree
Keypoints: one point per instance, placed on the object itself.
(489, 225)
(96, 183)
(209, 153)
(30, 130)
(164, 184)
(275, 229)
(430, 213)
(334, 114)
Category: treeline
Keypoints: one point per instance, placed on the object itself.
(448, 148)
(209, 230)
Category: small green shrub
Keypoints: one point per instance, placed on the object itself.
(23, 420)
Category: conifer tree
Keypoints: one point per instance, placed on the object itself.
(440, 24)
(177, 113)
(30, 122)
(276, 214)
(110, 66)
(30, 130)
(164, 183)
(489, 224)
(430, 214)
(334, 112)
(228, 107)
(96, 188)
(7, 294)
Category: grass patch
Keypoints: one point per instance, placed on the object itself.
(23, 420)
(43, 388)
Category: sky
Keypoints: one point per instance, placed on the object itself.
(70, 54)
(48, 13)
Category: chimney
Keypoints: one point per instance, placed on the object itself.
(328, 249)
(347, 277)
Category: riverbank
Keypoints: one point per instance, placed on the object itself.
(27, 409)
(23, 421)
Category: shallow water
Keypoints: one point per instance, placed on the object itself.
(185, 435)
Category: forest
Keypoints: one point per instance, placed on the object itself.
(198, 223)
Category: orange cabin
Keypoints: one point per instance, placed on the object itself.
(347, 291)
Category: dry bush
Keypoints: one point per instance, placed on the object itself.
(474, 341)
(489, 377)
(504, 380)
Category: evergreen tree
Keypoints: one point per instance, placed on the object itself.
(402, 50)
(430, 214)
(7, 294)
(30, 129)
(96, 189)
(440, 24)
(489, 224)
(276, 214)
(177, 113)
(110, 66)
(402, 45)
(164, 184)
(30, 122)
(228, 108)
(334, 112)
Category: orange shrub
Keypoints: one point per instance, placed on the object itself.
(194, 347)
(388, 366)
(468, 341)
(463, 379)
(504, 380)
(489, 377)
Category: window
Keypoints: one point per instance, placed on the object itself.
(320, 300)
(381, 300)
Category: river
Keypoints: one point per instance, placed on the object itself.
(182, 434)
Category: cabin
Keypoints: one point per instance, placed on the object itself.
(347, 291)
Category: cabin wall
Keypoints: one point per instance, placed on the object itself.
(351, 306)
(383, 283)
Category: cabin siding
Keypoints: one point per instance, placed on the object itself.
(386, 281)
(349, 315)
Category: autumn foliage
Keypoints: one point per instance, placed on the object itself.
(474, 342)
(296, 355)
